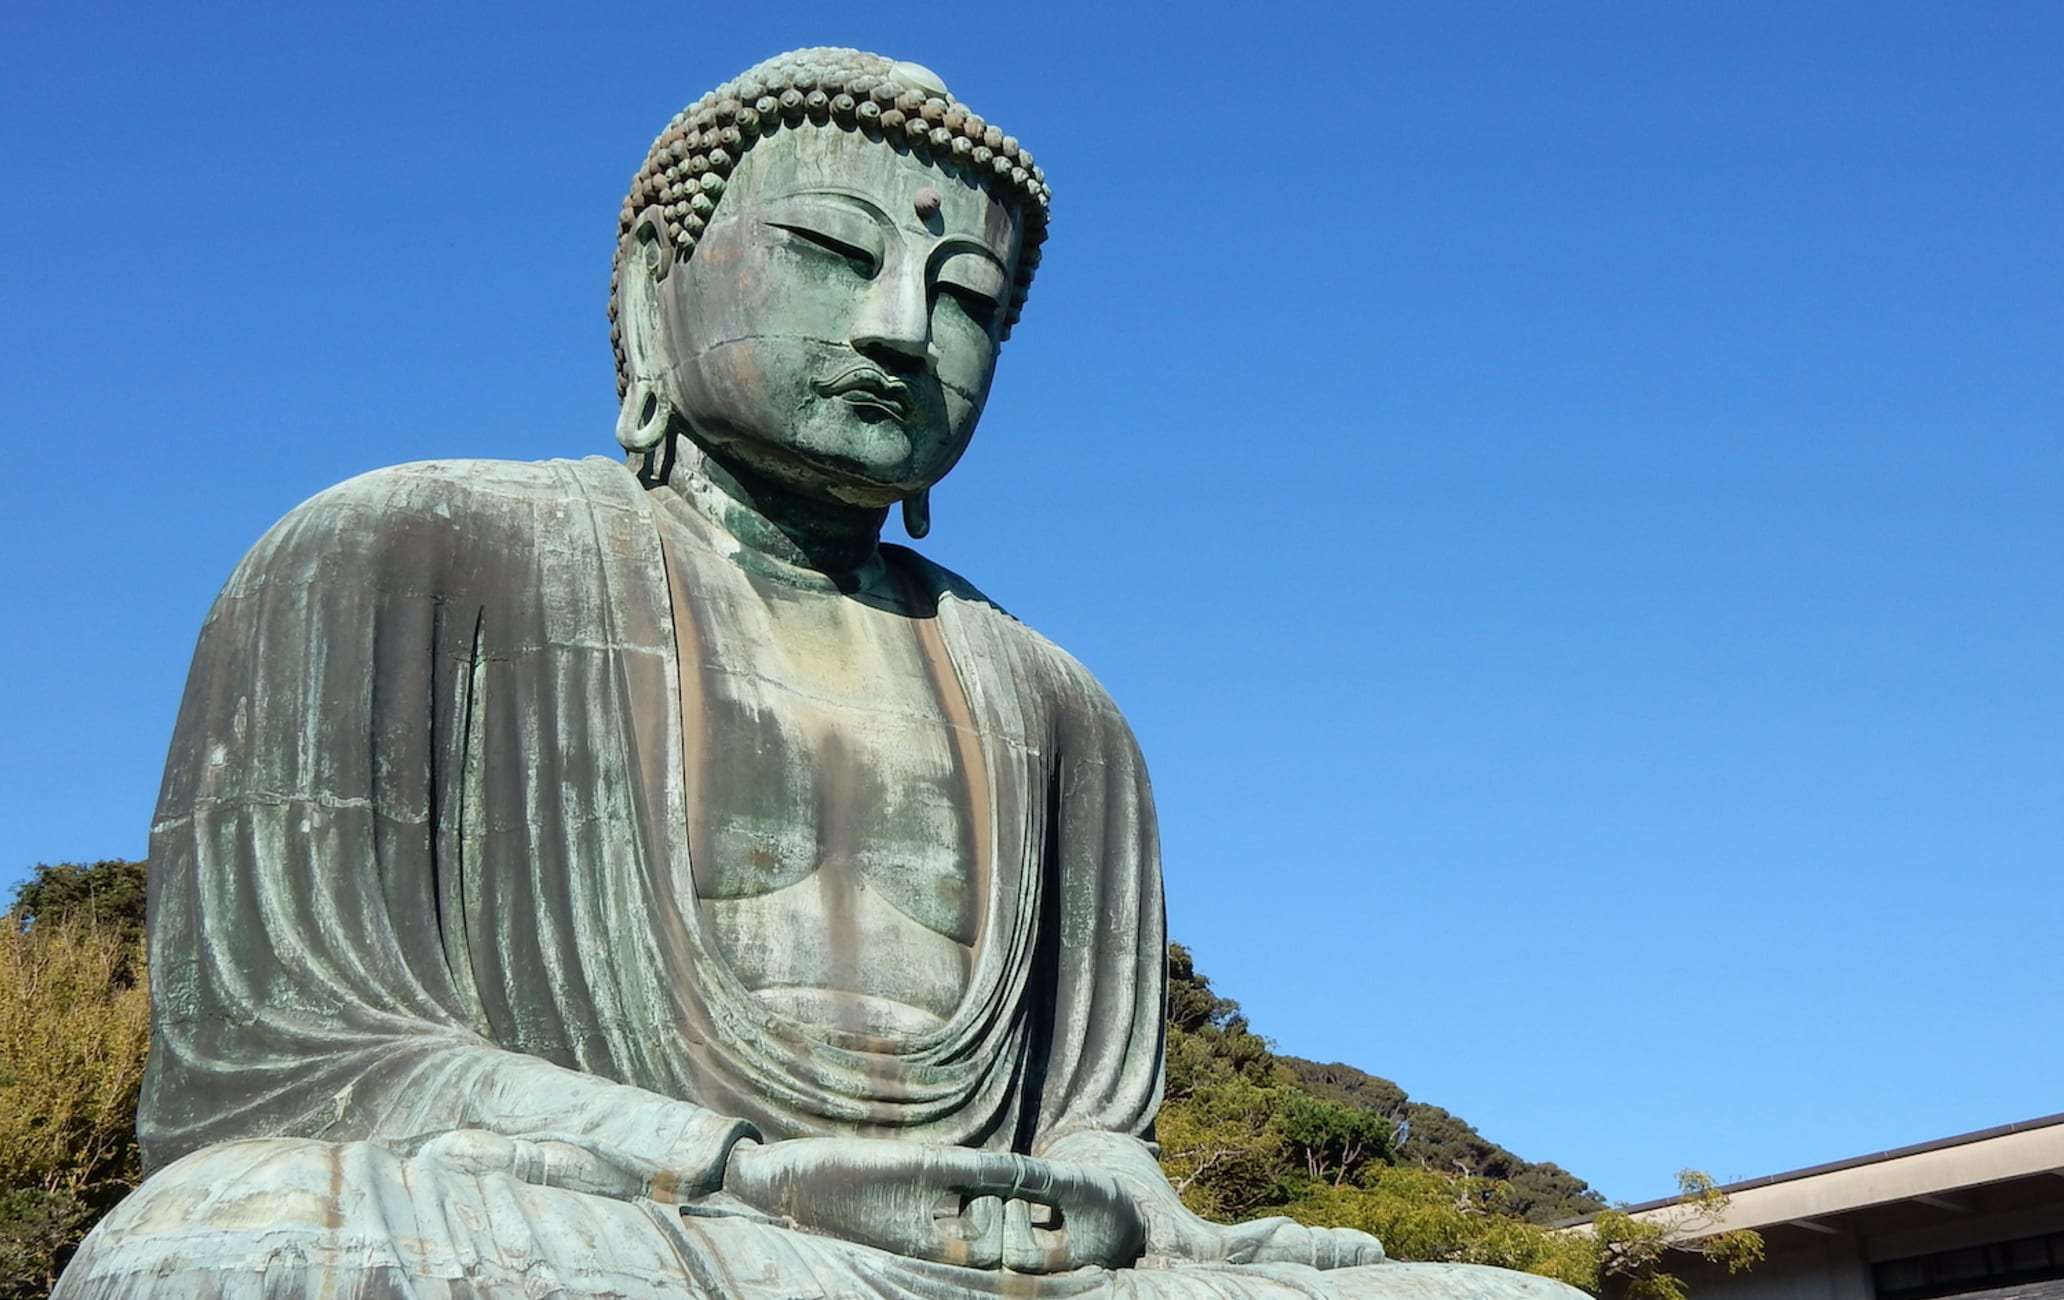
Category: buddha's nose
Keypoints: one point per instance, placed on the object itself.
(895, 321)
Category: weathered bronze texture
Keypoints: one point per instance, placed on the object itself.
(637, 879)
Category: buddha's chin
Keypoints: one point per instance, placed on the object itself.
(855, 458)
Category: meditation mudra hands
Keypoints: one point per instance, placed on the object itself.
(945, 1204)
(950, 1205)
(984, 1209)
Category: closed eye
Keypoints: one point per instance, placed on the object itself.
(977, 306)
(862, 260)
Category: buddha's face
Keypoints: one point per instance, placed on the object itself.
(838, 323)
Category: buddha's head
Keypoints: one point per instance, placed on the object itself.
(817, 265)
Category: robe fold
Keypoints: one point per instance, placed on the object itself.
(420, 867)
(421, 858)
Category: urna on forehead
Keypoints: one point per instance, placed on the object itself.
(903, 106)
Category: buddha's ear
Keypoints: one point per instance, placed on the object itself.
(648, 257)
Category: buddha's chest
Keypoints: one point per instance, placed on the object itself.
(830, 831)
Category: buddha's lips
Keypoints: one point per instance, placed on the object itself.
(867, 386)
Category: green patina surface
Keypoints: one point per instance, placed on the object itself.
(638, 879)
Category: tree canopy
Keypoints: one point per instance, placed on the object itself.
(1246, 1132)
(74, 1026)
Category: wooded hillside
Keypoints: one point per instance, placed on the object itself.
(1433, 1138)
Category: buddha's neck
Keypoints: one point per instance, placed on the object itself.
(784, 525)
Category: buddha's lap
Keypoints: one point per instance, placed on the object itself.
(277, 1216)
(290, 1217)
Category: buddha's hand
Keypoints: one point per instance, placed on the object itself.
(1259, 1241)
(947, 1204)
(549, 1161)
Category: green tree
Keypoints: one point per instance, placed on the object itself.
(38, 1232)
(1426, 1215)
(1333, 1142)
(1435, 1139)
(74, 1027)
(1219, 1043)
(1220, 1144)
(1221, 1149)
(108, 895)
(1633, 1252)
(1246, 1132)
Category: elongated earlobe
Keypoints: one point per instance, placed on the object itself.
(646, 412)
(917, 513)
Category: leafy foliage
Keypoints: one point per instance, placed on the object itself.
(1423, 1214)
(74, 1026)
(1335, 1142)
(1436, 1139)
(108, 895)
(1245, 1132)
(1632, 1251)
(38, 1231)
(1219, 1143)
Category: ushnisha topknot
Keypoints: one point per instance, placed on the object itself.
(901, 104)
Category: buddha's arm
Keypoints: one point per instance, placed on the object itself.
(322, 962)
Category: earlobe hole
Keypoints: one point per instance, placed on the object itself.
(650, 408)
(650, 248)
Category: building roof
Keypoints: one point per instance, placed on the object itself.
(1990, 1170)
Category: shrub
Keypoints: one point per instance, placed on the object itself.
(74, 1027)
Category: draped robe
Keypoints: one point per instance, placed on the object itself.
(420, 868)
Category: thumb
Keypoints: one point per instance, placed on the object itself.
(546, 1162)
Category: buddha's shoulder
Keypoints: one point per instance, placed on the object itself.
(1063, 676)
(456, 488)
(438, 513)
(468, 496)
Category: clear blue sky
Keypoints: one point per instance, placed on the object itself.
(1570, 496)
